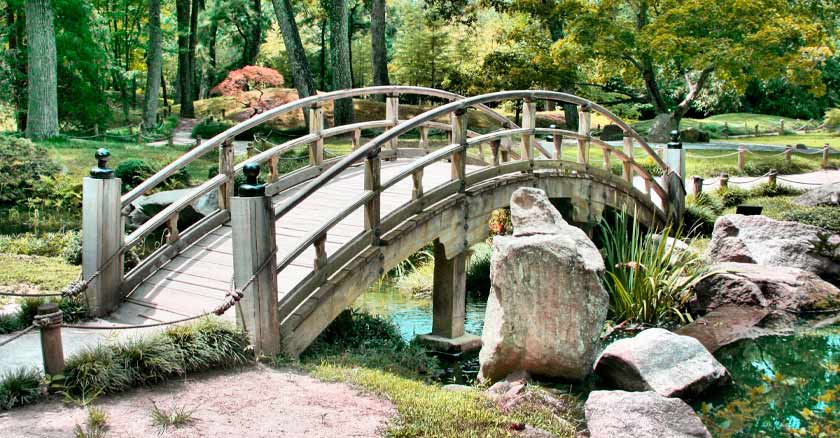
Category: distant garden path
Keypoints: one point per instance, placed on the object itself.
(255, 402)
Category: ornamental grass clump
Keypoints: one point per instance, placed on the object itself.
(648, 280)
(20, 387)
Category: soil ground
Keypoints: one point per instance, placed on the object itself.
(252, 402)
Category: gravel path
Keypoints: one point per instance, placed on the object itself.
(255, 402)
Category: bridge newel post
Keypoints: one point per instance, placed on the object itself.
(459, 136)
(584, 126)
(255, 264)
(627, 171)
(529, 121)
(392, 115)
(675, 154)
(102, 237)
(373, 181)
(316, 127)
(226, 164)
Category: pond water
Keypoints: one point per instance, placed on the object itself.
(783, 386)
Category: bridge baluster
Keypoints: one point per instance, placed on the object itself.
(226, 163)
(172, 227)
(373, 180)
(607, 153)
(392, 114)
(356, 138)
(495, 145)
(272, 169)
(316, 127)
(424, 139)
(557, 139)
(628, 165)
(459, 136)
(320, 252)
(584, 126)
(529, 121)
(417, 178)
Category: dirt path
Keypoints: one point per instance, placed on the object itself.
(256, 402)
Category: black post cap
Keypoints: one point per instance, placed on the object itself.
(675, 140)
(102, 171)
(252, 187)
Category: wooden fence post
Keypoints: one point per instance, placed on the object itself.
(788, 152)
(584, 126)
(724, 181)
(825, 154)
(697, 182)
(742, 158)
(226, 162)
(771, 177)
(254, 256)
(249, 149)
(316, 127)
(102, 237)
(781, 126)
(52, 350)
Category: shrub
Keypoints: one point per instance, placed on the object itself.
(72, 252)
(650, 166)
(95, 371)
(478, 271)
(209, 127)
(56, 193)
(46, 245)
(768, 190)
(732, 196)
(132, 172)
(699, 219)
(648, 281)
(22, 164)
(20, 387)
(824, 217)
(761, 167)
(149, 360)
(832, 119)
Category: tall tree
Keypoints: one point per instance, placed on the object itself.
(301, 73)
(379, 55)
(195, 9)
(42, 118)
(651, 44)
(185, 77)
(154, 67)
(340, 60)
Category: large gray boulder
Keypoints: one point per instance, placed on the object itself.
(620, 414)
(772, 287)
(826, 194)
(144, 207)
(764, 241)
(661, 361)
(547, 305)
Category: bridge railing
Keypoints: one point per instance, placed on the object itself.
(228, 169)
(295, 305)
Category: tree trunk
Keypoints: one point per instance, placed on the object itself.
(163, 88)
(251, 46)
(154, 67)
(182, 8)
(379, 55)
(340, 57)
(570, 113)
(17, 29)
(323, 55)
(195, 10)
(301, 74)
(42, 119)
(663, 124)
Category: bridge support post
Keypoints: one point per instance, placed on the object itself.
(255, 264)
(102, 237)
(627, 171)
(584, 126)
(529, 121)
(316, 126)
(392, 114)
(449, 298)
(675, 182)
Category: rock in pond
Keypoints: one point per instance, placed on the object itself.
(620, 414)
(661, 361)
(764, 241)
(773, 287)
(726, 325)
(547, 305)
(826, 194)
(147, 206)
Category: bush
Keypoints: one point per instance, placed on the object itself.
(209, 127)
(832, 119)
(45, 245)
(768, 190)
(732, 196)
(478, 271)
(22, 165)
(134, 171)
(647, 280)
(650, 166)
(20, 387)
(699, 219)
(762, 167)
(56, 193)
(74, 309)
(825, 217)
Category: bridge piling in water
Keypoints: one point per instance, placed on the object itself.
(102, 237)
(255, 264)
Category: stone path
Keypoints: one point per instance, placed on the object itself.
(253, 402)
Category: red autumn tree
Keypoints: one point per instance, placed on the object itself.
(239, 82)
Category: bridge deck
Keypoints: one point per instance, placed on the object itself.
(198, 278)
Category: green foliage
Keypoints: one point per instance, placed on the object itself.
(48, 274)
(56, 193)
(824, 217)
(20, 387)
(648, 281)
(46, 245)
(732, 196)
(699, 219)
(133, 171)
(22, 165)
(95, 426)
(210, 127)
(832, 119)
(105, 369)
(74, 310)
(478, 271)
(176, 417)
(770, 190)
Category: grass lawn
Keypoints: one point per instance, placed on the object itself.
(739, 124)
(811, 139)
(46, 274)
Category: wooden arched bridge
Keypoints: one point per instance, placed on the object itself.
(324, 233)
